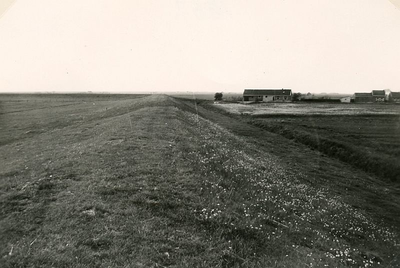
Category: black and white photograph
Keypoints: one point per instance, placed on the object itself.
(199, 133)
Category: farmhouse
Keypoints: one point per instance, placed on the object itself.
(268, 95)
(345, 99)
(374, 96)
(362, 97)
(394, 97)
(379, 95)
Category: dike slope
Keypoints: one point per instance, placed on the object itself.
(149, 183)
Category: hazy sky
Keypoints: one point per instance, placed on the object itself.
(339, 46)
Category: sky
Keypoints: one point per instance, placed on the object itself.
(341, 46)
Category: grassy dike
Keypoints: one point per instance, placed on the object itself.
(149, 183)
(388, 168)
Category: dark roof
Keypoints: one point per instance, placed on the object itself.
(396, 94)
(378, 92)
(260, 92)
(362, 95)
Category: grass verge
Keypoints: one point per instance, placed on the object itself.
(382, 166)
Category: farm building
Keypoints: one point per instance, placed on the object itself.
(268, 95)
(345, 99)
(374, 96)
(379, 95)
(362, 97)
(394, 97)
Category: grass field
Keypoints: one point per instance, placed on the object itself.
(206, 96)
(365, 136)
(304, 108)
(369, 142)
(157, 181)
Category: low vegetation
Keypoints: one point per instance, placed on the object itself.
(366, 142)
(262, 207)
(361, 135)
(155, 181)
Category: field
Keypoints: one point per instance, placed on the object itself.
(365, 136)
(206, 96)
(157, 181)
(303, 108)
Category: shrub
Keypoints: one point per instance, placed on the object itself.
(218, 96)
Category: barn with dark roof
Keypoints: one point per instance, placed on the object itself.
(374, 96)
(268, 95)
(394, 97)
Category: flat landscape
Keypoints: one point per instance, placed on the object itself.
(364, 135)
(304, 108)
(157, 181)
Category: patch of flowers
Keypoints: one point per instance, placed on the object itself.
(254, 192)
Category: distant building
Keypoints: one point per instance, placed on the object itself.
(379, 95)
(363, 97)
(394, 97)
(345, 100)
(268, 95)
(375, 96)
